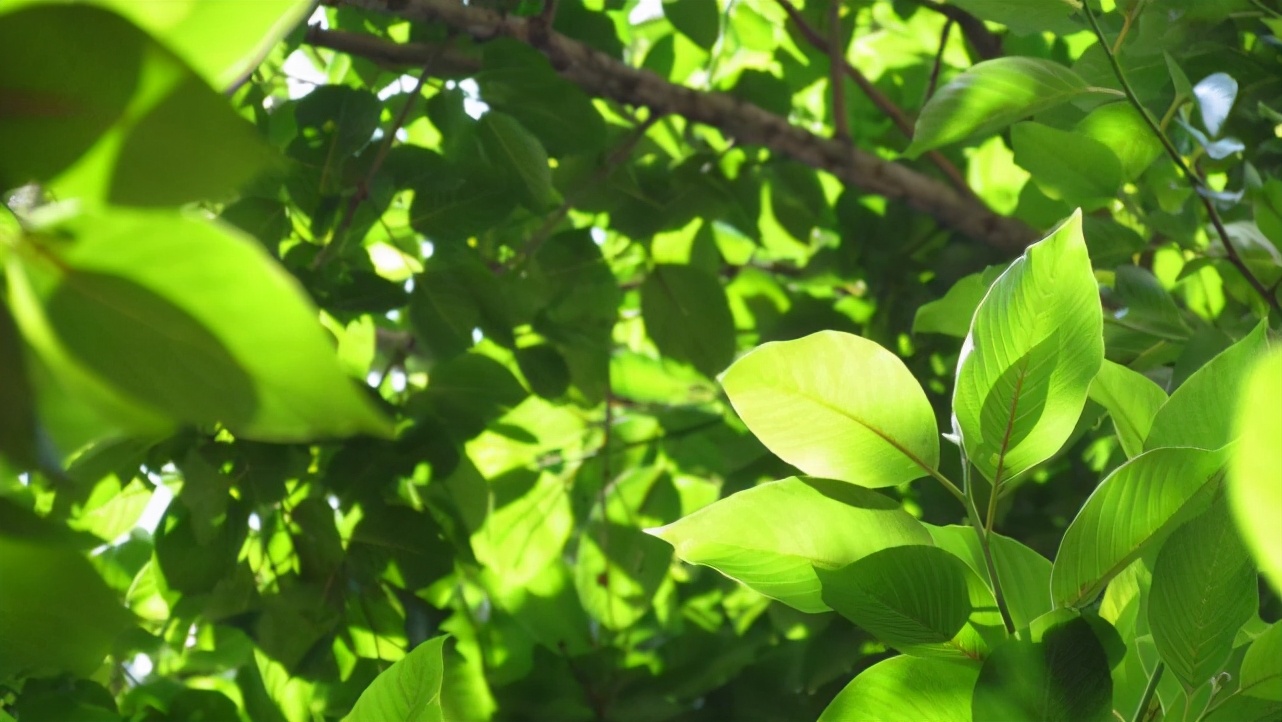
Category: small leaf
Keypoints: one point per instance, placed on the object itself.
(1132, 400)
(773, 536)
(990, 96)
(1067, 166)
(902, 688)
(409, 690)
(1261, 673)
(520, 155)
(698, 20)
(688, 317)
(1061, 677)
(1256, 466)
(917, 599)
(1131, 510)
(952, 314)
(1034, 346)
(1215, 95)
(837, 406)
(1204, 589)
(1200, 412)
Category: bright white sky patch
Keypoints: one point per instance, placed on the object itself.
(645, 11)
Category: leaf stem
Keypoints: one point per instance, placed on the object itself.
(1147, 698)
(1199, 186)
(982, 532)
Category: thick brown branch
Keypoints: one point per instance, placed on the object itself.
(987, 45)
(604, 76)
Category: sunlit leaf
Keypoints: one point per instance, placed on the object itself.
(1261, 673)
(1067, 166)
(1132, 400)
(1256, 466)
(907, 688)
(1025, 16)
(1131, 510)
(1034, 346)
(773, 536)
(409, 690)
(1024, 574)
(838, 406)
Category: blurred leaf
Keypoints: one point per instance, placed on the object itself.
(952, 314)
(1261, 673)
(907, 688)
(1034, 347)
(698, 20)
(1132, 400)
(1025, 17)
(1256, 465)
(1215, 95)
(773, 536)
(688, 317)
(1122, 130)
(838, 406)
(1067, 166)
(1131, 510)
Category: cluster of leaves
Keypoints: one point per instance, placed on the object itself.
(331, 391)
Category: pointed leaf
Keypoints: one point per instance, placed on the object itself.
(192, 320)
(1200, 412)
(952, 314)
(905, 687)
(838, 406)
(688, 317)
(1034, 346)
(990, 96)
(1261, 672)
(1130, 510)
(918, 599)
(409, 690)
(511, 147)
(773, 536)
(1067, 166)
(1121, 128)
(1204, 589)
(1256, 467)
(1061, 677)
(1132, 400)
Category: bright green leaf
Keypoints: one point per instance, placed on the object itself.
(1204, 589)
(1121, 128)
(1132, 400)
(953, 313)
(773, 536)
(1067, 166)
(409, 690)
(1261, 673)
(1025, 17)
(1131, 510)
(1024, 574)
(905, 687)
(1034, 347)
(990, 96)
(1200, 412)
(837, 406)
(1256, 466)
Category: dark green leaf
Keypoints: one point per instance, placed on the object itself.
(688, 317)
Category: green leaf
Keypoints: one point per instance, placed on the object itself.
(1132, 509)
(838, 406)
(1034, 347)
(409, 690)
(519, 155)
(903, 688)
(56, 614)
(1067, 166)
(918, 599)
(1200, 412)
(1256, 466)
(772, 537)
(1204, 589)
(953, 313)
(1147, 305)
(17, 401)
(1061, 677)
(1121, 128)
(990, 96)
(698, 20)
(1024, 574)
(688, 317)
(1132, 400)
(1025, 17)
(193, 320)
(1261, 672)
(87, 92)
(518, 80)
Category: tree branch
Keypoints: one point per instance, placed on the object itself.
(987, 44)
(604, 76)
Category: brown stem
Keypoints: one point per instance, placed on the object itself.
(836, 62)
(939, 58)
(987, 44)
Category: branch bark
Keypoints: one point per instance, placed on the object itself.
(603, 76)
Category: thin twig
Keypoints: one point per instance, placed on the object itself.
(836, 64)
(987, 45)
(339, 238)
(1200, 189)
(1141, 712)
(939, 59)
(879, 99)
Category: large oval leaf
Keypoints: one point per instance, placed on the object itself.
(1131, 509)
(990, 96)
(902, 688)
(838, 406)
(192, 320)
(918, 599)
(1204, 589)
(409, 690)
(1034, 346)
(773, 536)
(1132, 400)
(1200, 412)
(1254, 491)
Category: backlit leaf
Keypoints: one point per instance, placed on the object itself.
(1256, 466)
(905, 687)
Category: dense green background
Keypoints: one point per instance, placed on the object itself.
(532, 266)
